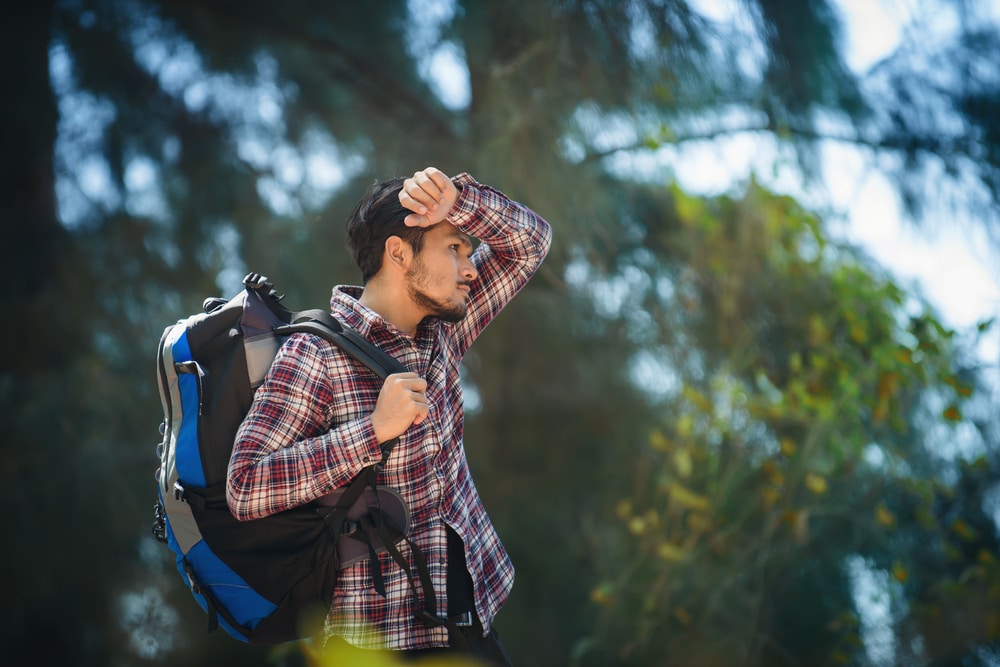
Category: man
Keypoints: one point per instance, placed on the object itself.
(317, 421)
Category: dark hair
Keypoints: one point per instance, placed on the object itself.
(374, 219)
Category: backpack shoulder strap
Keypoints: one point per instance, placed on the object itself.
(326, 326)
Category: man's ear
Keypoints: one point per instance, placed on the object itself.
(397, 251)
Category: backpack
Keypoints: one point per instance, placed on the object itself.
(261, 580)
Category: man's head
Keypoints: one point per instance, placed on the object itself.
(431, 265)
(376, 217)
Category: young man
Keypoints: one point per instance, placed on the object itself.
(317, 421)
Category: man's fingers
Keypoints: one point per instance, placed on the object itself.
(424, 193)
(402, 402)
(434, 182)
(407, 199)
(410, 381)
(424, 189)
(414, 220)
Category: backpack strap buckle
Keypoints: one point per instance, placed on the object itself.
(192, 498)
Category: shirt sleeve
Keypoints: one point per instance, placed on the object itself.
(513, 242)
(285, 454)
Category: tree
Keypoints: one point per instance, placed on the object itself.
(789, 451)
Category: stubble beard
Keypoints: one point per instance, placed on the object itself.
(445, 311)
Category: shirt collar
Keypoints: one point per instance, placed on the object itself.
(346, 306)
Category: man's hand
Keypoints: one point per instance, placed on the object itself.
(430, 194)
(401, 403)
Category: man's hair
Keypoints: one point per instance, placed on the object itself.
(374, 219)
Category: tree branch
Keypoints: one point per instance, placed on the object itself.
(937, 146)
(371, 81)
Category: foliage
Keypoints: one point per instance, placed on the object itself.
(788, 451)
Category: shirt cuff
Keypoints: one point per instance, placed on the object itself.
(361, 450)
(473, 201)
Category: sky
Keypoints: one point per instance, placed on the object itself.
(954, 265)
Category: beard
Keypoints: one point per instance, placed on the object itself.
(447, 311)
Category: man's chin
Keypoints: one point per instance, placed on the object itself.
(456, 314)
(447, 311)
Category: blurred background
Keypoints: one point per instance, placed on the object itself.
(720, 427)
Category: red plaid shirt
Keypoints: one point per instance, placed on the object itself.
(309, 431)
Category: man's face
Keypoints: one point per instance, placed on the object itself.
(441, 276)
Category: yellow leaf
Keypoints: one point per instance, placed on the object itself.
(686, 497)
(682, 615)
(795, 362)
(685, 425)
(884, 517)
(952, 413)
(788, 446)
(816, 483)
(900, 573)
(687, 207)
(697, 398)
(601, 594)
(963, 530)
(342, 653)
(683, 463)
(658, 441)
(671, 552)
(623, 510)
(637, 526)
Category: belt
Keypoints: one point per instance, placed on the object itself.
(466, 620)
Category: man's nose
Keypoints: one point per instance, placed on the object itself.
(469, 271)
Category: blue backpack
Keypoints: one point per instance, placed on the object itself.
(270, 580)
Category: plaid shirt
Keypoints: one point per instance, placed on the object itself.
(309, 431)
